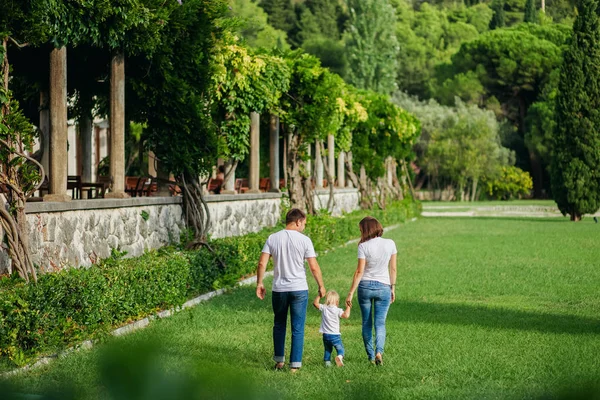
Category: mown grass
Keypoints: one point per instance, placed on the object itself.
(487, 308)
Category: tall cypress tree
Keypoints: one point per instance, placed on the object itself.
(372, 45)
(575, 168)
(498, 19)
(530, 12)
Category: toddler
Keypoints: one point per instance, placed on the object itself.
(330, 326)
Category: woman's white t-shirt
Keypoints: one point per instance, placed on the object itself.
(377, 253)
(289, 249)
(330, 321)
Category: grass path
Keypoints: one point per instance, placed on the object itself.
(494, 308)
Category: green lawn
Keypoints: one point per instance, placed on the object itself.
(487, 308)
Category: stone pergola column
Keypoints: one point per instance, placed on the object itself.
(152, 164)
(58, 127)
(254, 178)
(229, 184)
(331, 157)
(45, 131)
(341, 170)
(274, 154)
(318, 165)
(117, 126)
(85, 132)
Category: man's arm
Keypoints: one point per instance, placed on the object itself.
(316, 272)
(260, 274)
(317, 302)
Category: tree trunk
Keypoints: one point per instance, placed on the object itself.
(329, 172)
(474, 189)
(295, 186)
(196, 209)
(537, 174)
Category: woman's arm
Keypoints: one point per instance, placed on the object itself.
(393, 276)
(358, 274)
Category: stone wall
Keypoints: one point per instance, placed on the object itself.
(345, 200)
(239, 214)
(82, 232)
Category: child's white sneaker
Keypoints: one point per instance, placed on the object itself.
(339, 361)
(328, 364)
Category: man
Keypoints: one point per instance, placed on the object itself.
(289, 248)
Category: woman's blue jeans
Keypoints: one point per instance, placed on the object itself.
(374, 300)
(296, 302)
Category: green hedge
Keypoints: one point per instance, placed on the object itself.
(78, 304)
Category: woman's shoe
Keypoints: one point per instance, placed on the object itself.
(378, 359)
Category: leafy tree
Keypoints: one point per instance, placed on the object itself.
(319, 18)
(254, 28)
(311, 112)
(575, 172)
(282, 16)
(459, 146)
(513, 66)
(372, 45)
(389, 131)
(530, 12)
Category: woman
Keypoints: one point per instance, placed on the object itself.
(375, 278)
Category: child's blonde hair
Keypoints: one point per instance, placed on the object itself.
(332, 298)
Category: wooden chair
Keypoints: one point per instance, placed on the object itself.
(148, 186)
(264, 184)
(74, 185)
(175, 189)
(214, 185)
(134, 185)
(241, 185)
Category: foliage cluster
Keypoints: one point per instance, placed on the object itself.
(513, 183)
(76, 304)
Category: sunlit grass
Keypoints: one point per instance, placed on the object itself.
(487, 308)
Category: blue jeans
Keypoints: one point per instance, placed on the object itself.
(296, 302)
(329, 342)
(374, 299)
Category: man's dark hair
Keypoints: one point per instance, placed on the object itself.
(294, 215)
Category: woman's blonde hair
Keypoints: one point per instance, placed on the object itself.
(331, 298)
(369, 228)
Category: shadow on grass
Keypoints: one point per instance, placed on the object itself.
(491, 317)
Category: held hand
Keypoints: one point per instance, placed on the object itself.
(322, 291)
(261, 291)
(393, 296)
(349, 299)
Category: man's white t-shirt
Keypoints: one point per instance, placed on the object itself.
(377, 253)
(289, 249)
(330, 321)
